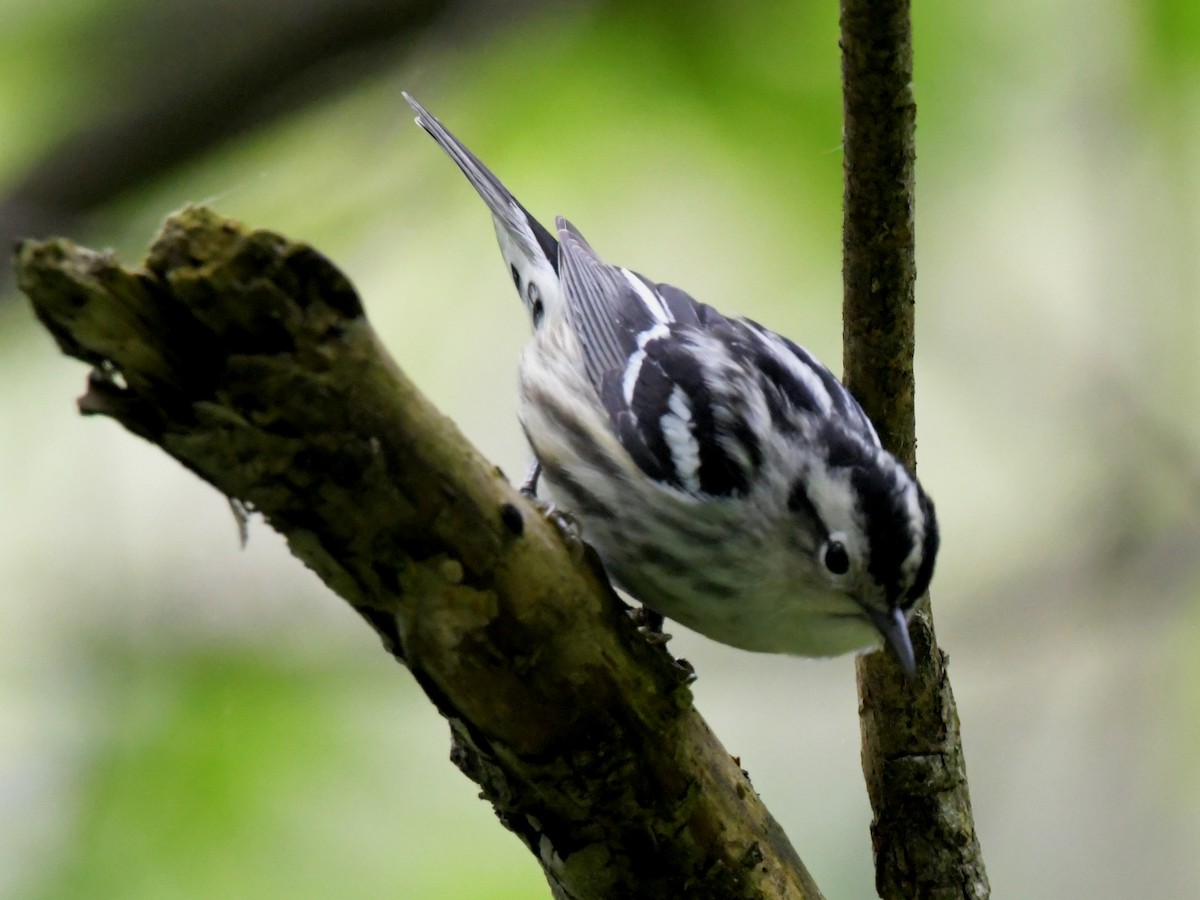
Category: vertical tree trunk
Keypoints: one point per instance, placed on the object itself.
(923, 833)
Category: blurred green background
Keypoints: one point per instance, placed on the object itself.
(182, 719)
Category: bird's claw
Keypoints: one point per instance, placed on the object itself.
(649, 623)
(567, 525)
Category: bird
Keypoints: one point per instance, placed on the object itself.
(725, 477)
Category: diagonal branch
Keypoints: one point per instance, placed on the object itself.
(923, 832)
(248, 359)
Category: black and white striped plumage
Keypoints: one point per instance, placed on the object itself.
(726, 478)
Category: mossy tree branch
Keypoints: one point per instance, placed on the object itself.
(923, 831)
(248, 359)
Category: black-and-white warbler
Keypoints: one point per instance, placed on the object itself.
(726, 478)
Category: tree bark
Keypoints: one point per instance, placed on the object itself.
(248, 358)
(922, 832)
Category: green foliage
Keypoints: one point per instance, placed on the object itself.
(238, 774)
(1173, 29)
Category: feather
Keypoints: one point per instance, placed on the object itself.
(517, 221)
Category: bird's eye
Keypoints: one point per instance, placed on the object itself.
(837, 560)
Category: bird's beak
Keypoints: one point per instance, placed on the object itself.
(894, 628)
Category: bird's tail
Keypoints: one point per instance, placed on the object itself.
(527, 237)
